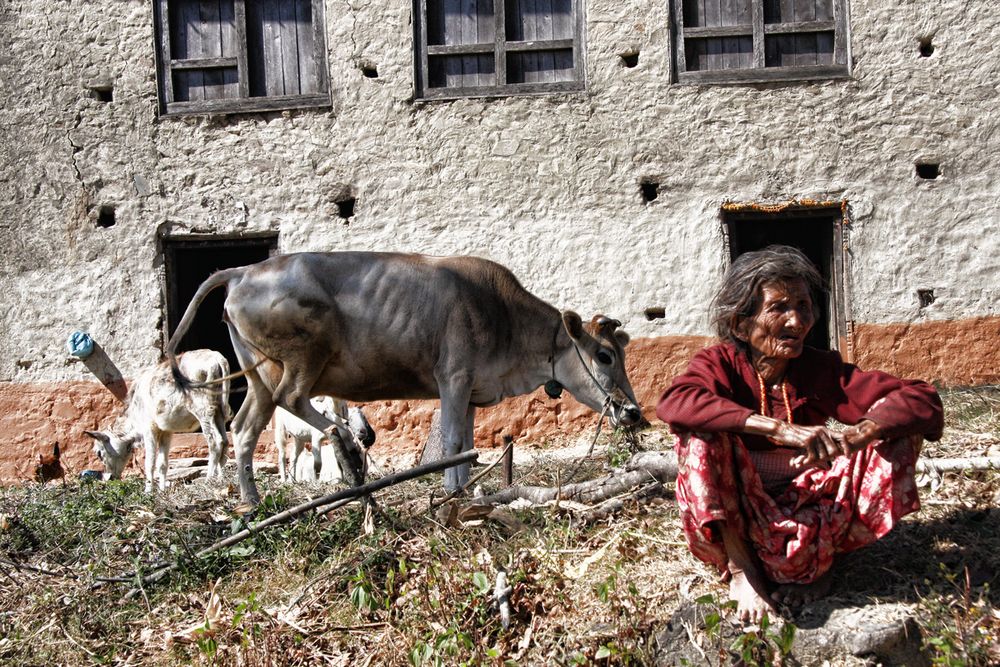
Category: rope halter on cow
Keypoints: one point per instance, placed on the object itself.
(554, 388)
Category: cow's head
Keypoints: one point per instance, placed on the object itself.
(593, 368)
(113, 450)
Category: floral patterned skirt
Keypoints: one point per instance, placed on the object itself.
(796, 533)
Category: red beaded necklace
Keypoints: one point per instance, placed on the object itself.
(784, 395)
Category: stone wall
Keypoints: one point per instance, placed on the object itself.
(548, 185)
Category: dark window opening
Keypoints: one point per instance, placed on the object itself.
(754, 41)
(188, 263)
(818, 234)
(926, 297)
(630, 59)
(655, 313)
(106, 217)
(926, 47)
(928, 171)
(468, 48)
(345, 208)
(650, 190)
(225, 56)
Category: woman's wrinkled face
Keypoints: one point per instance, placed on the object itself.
(779, 327)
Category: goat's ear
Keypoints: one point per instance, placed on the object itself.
(98, 435)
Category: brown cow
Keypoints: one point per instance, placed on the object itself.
(372, 326)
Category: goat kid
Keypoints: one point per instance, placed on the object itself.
(351, 425)
(156, 409)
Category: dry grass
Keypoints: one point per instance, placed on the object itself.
(416, 591)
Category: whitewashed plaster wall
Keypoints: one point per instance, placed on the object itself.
(548, 185)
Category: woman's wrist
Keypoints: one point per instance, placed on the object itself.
(761, 425)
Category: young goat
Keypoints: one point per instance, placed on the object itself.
(352, 426)
(49, 467)
(157, 408)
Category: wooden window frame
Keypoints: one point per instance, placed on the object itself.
(758, 30)
(166, 66)
(500, 47)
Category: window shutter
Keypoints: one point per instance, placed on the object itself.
(220, 56)
(497, 47)
(733, 41)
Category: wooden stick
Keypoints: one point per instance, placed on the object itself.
(462, 489)
(321, 504)
(508, 460)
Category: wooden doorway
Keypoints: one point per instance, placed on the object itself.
(815, 230)
(188, 262)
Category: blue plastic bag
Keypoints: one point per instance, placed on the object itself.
(80, 344)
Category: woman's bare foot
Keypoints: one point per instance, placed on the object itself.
(747, 587)
(796, 595)
(752, 602)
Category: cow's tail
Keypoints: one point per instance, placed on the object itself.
(214, 281)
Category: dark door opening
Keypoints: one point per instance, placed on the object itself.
(817, 232)
(188, 263)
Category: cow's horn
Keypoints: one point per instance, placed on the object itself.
(604, 322)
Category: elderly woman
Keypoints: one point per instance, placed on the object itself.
(767, 491)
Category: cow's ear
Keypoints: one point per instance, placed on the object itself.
(573, 324)
(622, 337)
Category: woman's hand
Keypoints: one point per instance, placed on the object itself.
(861, 434)
(819, 444)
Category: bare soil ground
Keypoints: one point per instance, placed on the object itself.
(417, 589)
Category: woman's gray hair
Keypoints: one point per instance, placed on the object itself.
(740, 295)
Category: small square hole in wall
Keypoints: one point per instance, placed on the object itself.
(928, 170)
(369, 71)
(103, 93)
(650, 190)
(926, 47)
(106, 217)
(926, 297)
(630, 59)
(345, 207)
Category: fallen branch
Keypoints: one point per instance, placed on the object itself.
(614, 505)
(957, 465)
(321, 505)
(641, 469)
(501, 598)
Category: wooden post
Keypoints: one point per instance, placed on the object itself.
(508, 460)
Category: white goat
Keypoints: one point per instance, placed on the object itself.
(351, 425)
(156, 409)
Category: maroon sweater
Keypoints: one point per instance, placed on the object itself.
(720, 390)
